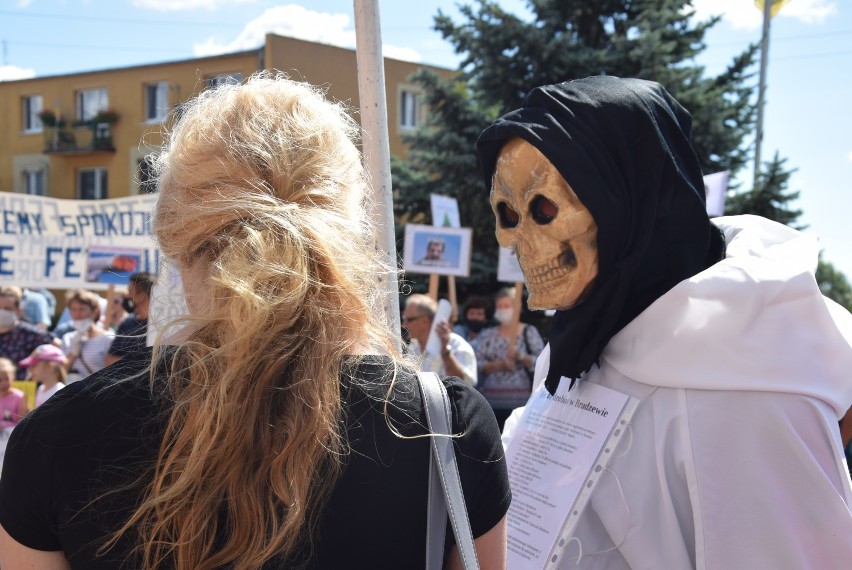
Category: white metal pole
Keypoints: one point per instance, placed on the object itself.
(374, 126)
(761, 90)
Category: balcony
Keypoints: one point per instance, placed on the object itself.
(84, 137)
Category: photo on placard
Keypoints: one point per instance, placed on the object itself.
(437, 250)
(112, 265)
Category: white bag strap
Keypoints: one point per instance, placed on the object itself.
(444, 468)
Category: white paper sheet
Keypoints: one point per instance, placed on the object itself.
(560, 447)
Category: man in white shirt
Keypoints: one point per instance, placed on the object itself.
(456, 356)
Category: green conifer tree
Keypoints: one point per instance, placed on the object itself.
(504, 56)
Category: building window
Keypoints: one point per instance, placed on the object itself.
(145, 174)
(156, 101)
(92, 184)
(409, 109)
(90, 102)
(224, 79)
(31, 107)
(34, 182)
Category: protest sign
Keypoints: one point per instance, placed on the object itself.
(65, 244)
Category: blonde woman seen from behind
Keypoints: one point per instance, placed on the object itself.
(285, 431)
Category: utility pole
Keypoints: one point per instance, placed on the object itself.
(761, 91)
(374, 123)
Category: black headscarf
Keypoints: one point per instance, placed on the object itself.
(624, 147)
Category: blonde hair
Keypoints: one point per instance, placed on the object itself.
(261, 206)
(8, 366)
(12, 292)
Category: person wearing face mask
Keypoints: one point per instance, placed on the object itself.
(506, 369)
(475, 320)
(131, 335)
(17, 339)
(87, 344)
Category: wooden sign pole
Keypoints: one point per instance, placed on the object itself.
(451, 287)
(516, 318)
(433, 286)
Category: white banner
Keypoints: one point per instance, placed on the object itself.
(65, 244)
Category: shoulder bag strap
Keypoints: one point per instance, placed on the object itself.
(444, 468)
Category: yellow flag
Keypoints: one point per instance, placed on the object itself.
(776, 6)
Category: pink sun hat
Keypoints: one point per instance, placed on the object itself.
(44, 352)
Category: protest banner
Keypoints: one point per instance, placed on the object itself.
(65, 244)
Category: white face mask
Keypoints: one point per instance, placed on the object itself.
(504, 316)
(81, 325)
(7, 318)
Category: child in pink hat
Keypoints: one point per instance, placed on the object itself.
(47, 368)
(13, 403)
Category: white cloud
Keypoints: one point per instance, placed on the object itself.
(809, 11)
(744, 15)
(11, 72)
(295, 21)
(403, 53)
(181, 5)
(24, 3)
(849, 156)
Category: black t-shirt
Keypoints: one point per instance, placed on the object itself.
(130, 336)
(95, 437)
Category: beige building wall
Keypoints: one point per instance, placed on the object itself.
(336, 68)
(134, 135)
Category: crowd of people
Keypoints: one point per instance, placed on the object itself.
(53, 351)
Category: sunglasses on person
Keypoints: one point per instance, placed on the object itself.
(409, 319)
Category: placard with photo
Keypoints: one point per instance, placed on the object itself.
(437, 250)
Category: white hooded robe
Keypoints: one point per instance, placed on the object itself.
(734, 460)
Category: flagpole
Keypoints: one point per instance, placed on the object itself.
(761, 92)
(374, 126)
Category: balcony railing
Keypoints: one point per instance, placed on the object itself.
(82, 139)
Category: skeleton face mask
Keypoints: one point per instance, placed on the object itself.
(543, 220)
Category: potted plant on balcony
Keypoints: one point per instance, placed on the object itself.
(107, 116)
(51, 119)
(48, 118)
(101, 129)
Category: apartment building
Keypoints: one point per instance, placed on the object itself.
(89, 135)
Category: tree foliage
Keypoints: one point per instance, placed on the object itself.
(772, 199)
(834, 284)
(504, 56)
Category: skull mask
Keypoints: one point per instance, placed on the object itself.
(543, 220)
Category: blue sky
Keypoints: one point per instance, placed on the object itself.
(807, 118)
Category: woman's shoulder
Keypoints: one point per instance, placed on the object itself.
(392, 388)
(118, 393)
